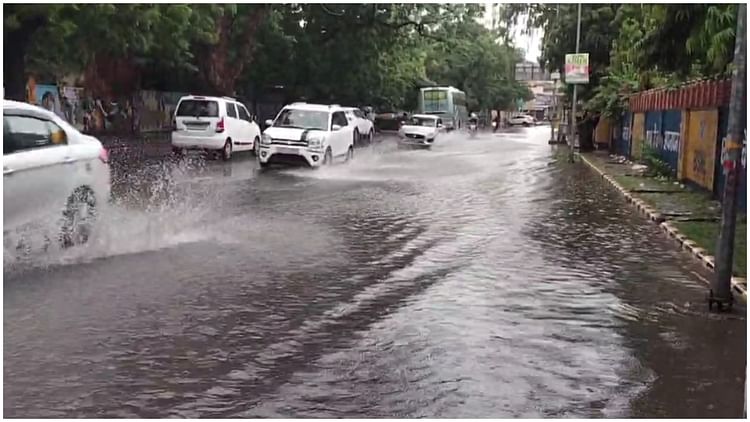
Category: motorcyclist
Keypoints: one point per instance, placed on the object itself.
(474, 120)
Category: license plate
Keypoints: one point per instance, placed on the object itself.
(284, 150)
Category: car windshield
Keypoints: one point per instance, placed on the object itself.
(198, 108)
(302, 119)
(422, 121)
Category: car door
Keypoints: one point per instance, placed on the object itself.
(38, 169)
(234, 127)
(251, 130)
(343, 137)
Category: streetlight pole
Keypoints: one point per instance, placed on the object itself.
(574, 129)
(721, 286)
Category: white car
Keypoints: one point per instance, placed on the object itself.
(364, 128)
(421, 130)
(51, 170)
(521, 119)
(307, 134)
(220, 124)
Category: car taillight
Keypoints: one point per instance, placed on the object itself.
(104, 155)
(220, 126)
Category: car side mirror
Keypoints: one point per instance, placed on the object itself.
(335, 128)
(269, 122)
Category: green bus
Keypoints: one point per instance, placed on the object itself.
(447, 102)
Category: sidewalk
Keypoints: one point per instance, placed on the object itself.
(687, 215)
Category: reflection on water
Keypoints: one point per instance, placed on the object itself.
(479, 279)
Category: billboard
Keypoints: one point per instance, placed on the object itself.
(577, 68)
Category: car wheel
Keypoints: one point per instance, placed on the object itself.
(350, 153)
(357, 139)
(177, 151)
(525, 124)
(264, 165)
(371, 137)
(256, 147)
(226, 152)
(78, 218)
(328, 157)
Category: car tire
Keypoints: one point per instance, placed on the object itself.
(264, 165)
(177, 151)
(78, 218)
(357, 138)
(371, 137)
(226, 152)
(350, 153)
(328, 157)
(526, 124)
(256, 147)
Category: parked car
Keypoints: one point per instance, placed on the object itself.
(218, 124)
(364, 129)
(521, 119)
(308, 134)
(50, 169)
(421, 130)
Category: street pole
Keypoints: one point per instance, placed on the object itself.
(574, 129)
(721, 286)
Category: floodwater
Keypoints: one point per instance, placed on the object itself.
(480, 279)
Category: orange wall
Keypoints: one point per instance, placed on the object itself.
(698, 159)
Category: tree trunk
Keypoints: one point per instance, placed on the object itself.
(15, 44)
(586, 133)
(220, 72)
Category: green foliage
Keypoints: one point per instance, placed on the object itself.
(376, 54)
(656, 166)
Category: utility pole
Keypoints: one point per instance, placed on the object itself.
(721, 286)
(574, 129)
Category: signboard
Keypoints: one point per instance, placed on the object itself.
(577, 68)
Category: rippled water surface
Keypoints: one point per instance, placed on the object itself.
(480, 279)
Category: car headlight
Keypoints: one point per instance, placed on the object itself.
(266, 139)
(315, 143)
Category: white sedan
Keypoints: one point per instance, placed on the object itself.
(51, 172)
(421, 130)
(521, 119)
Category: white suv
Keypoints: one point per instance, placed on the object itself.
(219, 124)
(51, 171)
(307, 134)
(364, 128)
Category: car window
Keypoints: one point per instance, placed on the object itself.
(302, 119)
(244, 115)
(198, 108)
(26, 132)
(339, 119)
(231, 110)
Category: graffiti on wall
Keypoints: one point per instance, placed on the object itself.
(700, 147)
(145, 111)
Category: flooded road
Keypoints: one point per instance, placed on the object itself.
(479, 279)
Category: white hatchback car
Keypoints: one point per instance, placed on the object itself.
(51, 170)
(219, 124)
(364, 128)
(307, 134)
(421, 130)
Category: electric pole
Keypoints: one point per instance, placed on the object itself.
(574, 129)
(721, 286)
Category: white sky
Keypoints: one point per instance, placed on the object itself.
(529, 42)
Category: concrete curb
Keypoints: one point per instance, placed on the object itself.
(739, 284)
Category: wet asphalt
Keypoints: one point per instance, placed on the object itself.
(482, 278)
